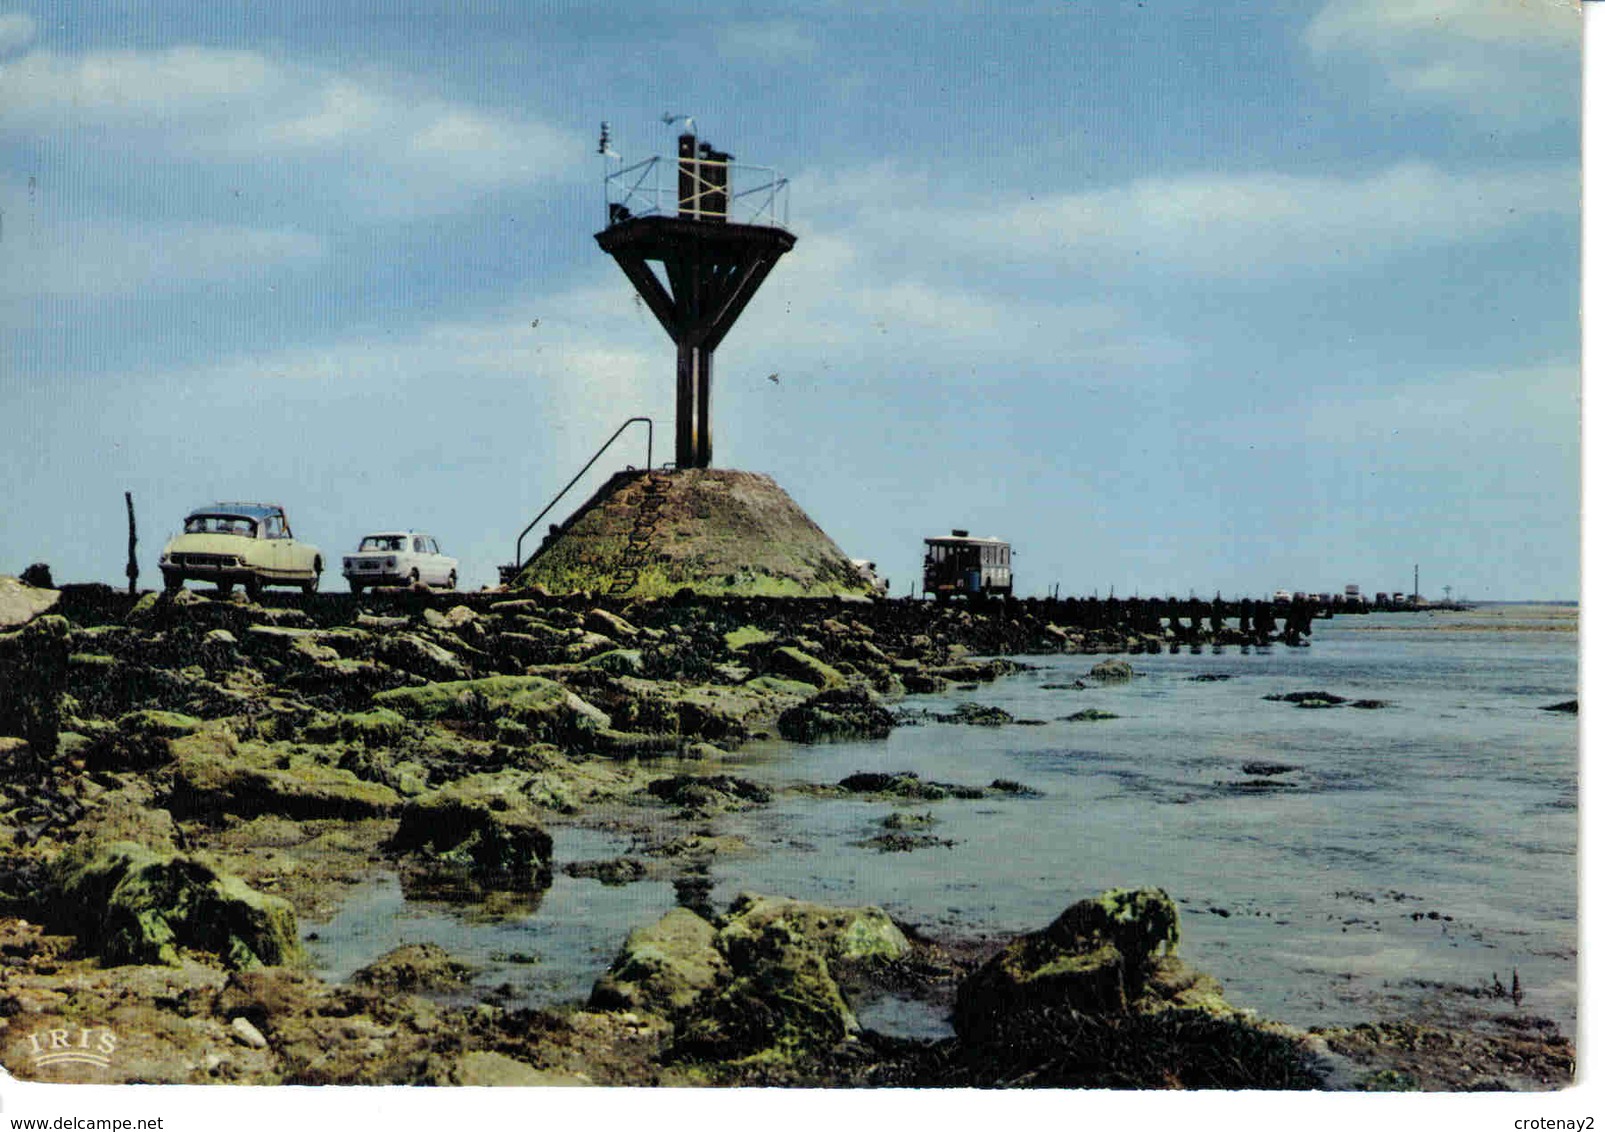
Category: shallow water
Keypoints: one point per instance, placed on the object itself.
(1432, 841)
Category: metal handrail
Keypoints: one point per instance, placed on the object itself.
(518, 551)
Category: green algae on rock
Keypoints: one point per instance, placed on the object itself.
(836, 713)
(663, 967)
(134, 904)
(549, 710)
(1093, 959)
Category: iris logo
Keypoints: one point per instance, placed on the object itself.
(85, 1045)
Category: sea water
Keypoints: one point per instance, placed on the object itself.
(1419, 850)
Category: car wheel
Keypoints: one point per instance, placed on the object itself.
(451, 580)
(317, 576)
(225, 588)
(253, 588)
(172, 581)
(356, 586)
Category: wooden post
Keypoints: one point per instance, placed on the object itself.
(133, 539)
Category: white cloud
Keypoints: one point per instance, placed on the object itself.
(1513, 60)
(389, 147)
(17, 30)
(1208, 224)
(93, 259)
(1261, 223)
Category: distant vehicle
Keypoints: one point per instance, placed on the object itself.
(248, 543)
(974, 567)
(879, 586)
(1398, 599)
(1281, 597)
(1351, 596)
(399, 558)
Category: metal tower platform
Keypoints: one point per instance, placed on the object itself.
(711, 268)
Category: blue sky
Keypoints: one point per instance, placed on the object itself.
(1173, 296)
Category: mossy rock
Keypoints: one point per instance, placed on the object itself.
(1111, 671)
(746, 636)
(836, 713)
(165, 724)
(793, 663)
(783, 1005)
(1094, 959)
(215, 774)
(379, 727)
(845, 935)
(414, 967)
(618, 662)
(488, 835)
(663, 968)
(132, 903)
(548, 709)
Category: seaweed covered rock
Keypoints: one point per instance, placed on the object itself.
(550, 711)
(663, 967)
(709, 793)
(140, 740)
(1111, 671)
(33, 672)
(760, 987)
(784, 999)
(413, 967)
(1093, 959)
(846, 935)
(478, 832)
(131, 903)
(836, 713)
(793, 663)
(216, 774)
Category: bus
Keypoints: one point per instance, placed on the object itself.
(973, 567)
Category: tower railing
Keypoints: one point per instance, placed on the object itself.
(758, 195)
(511, 571)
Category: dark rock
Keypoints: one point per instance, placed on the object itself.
(1308, 699)
(1092, 960)
(414, 967)
(904, 784)
(898, 842)
(1264, 769)
(493, 840)
(1111, 671)
(709, 793)
(836, 713)
(1089, 715)
(614, 873)
(976, 715)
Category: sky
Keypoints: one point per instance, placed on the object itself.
(1176, 297)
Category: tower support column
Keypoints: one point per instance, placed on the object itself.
(693, 436)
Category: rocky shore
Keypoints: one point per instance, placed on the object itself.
(189, 778)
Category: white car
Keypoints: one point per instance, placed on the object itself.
(399, 558)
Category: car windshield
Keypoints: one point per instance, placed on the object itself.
(384, 542)
(220, 525)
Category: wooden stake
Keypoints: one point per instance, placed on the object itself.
(133, 539)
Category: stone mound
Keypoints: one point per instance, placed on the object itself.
(652, 534)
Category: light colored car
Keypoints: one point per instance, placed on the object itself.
(248, 543)
(399, 558)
